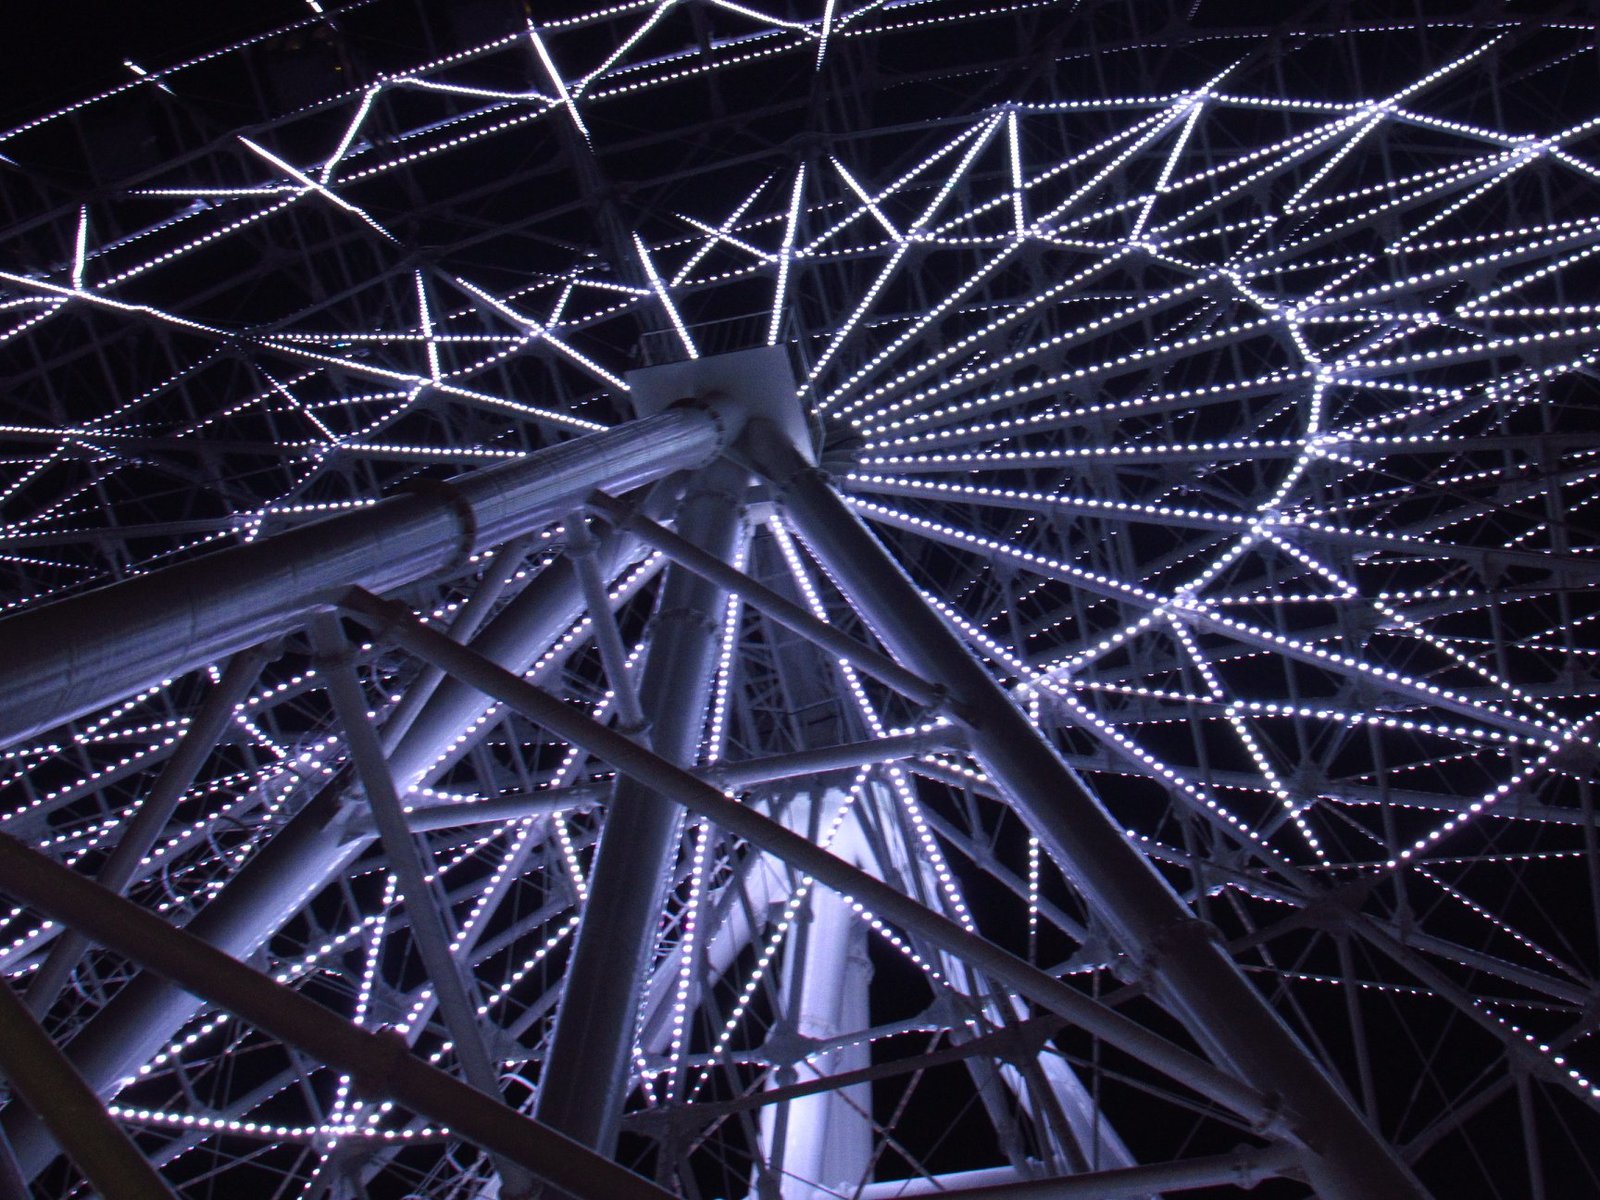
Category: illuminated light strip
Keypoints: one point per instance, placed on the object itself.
(1041, 299)
(1429, 279)
(350, 132)
(1475, 349)
(827, 31)
(980, 141)
(1109, 586)
(868, 203)
(715, 736)
(1221, 451)
(425, 318)
(934, 314)
(1279, 157)
(461, 89)
(1475, 306)
(1579, 1080)
(660, 290)
(555, 77)
(787, 250)
(1118, 364)
(777, 936)
(661, 9)
(762, 17)
(841, 336)
(1426, 691)
(451, 389)
(270, 1132)
(716, 235)
(451, 143)
(1157, 402)
(1143, 133)
(103, 301)
(1035, 680)
(321, 189)
(364, 990)
(1483, 913)
(1014, 150)
(37, 469)
(80, 247)
(1248, 739)
(719, 234)
(1492, 797)
(164, 73)
(729, 60)
(1462, 733)
(1416, 629)
(898, 782)
(814, 248)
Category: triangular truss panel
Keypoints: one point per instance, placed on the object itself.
(805, 601)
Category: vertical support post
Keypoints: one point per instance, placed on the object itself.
(822, 1143)
(584, 1082)
(581, 547)
(1345, 1160)
(405, 860)
(316, 843)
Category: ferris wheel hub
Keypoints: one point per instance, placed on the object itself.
(738, 387)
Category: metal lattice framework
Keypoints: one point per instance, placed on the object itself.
(825, 601)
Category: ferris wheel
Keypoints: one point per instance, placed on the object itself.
(719, 600)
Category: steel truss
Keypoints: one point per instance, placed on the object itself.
(902, 599)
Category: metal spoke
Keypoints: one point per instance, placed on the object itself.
(980, 599)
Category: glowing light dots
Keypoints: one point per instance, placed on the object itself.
(1231, 421)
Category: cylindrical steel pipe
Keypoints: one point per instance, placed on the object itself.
(380, 1063)
(40, 1074)
(1345, 1159)
(396, 623)
(585, 1078)
(67, 659)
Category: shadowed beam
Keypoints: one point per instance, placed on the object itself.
(380, 1063)
(396, 623)
(40, 1075)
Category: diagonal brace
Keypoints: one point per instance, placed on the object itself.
(380, 1063)
(398, 624)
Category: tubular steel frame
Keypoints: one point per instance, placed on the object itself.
(1026, 630)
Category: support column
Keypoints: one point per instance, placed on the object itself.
(396, 623)
(585, 1078)
(452, 990)
(1344, 1159)
(318, 842)
(69, 658)
(380, 1063)
(824, 1141)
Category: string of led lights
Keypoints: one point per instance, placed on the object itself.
(1219, 385)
